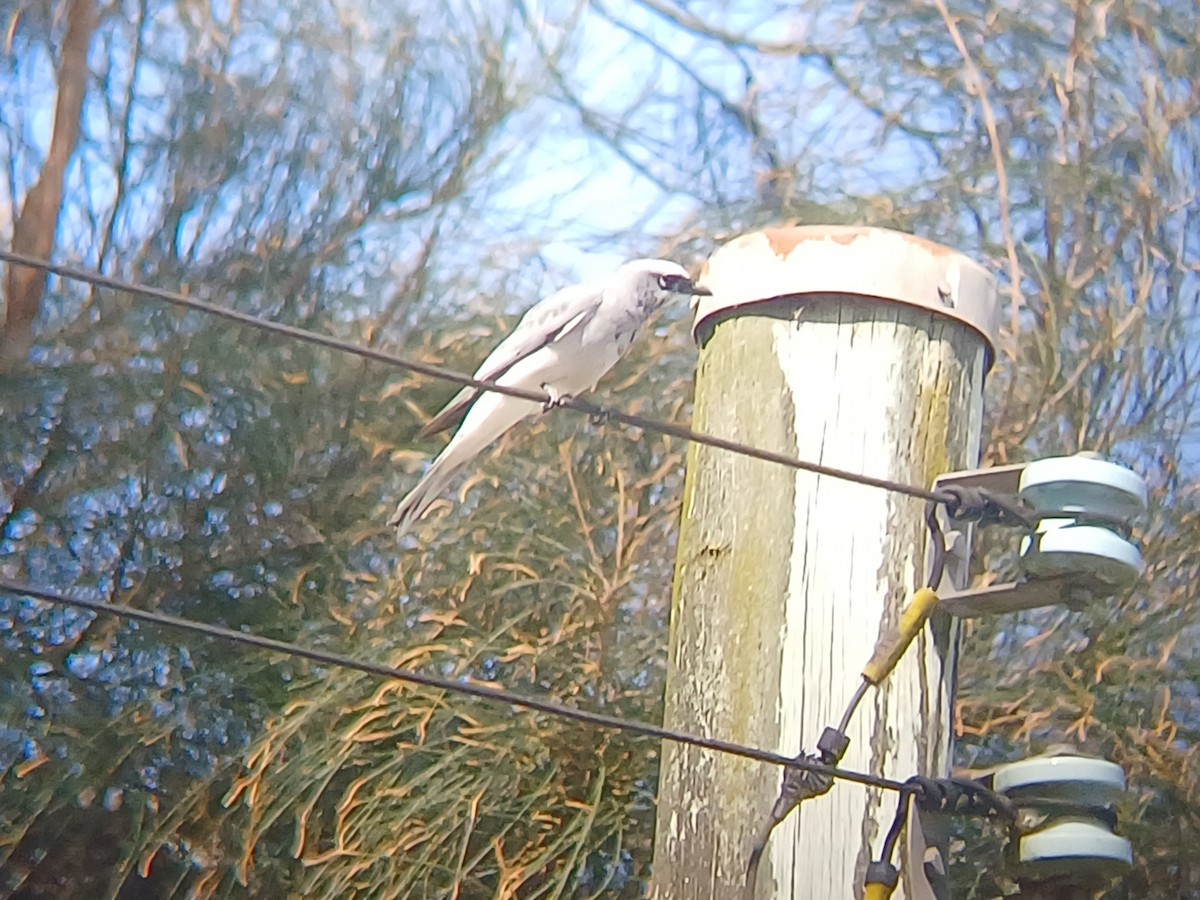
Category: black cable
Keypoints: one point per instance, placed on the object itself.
(800, 782)
(804, 776)
(956, 795)
(963, 504)
(892, 838)
(852, 706)
(494, 695)
(937, 547)
(947, 796)
(596, 411)
(984, 507)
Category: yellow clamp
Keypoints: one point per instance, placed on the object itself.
(892, 645)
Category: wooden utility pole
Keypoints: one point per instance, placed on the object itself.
(858, 348)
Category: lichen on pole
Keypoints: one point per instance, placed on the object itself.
(859, 348)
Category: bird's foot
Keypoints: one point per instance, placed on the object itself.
(555, 399)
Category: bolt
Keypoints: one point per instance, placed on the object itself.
(945, 292)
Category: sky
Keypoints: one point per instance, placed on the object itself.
(567, 185)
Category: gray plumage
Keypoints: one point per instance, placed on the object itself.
(563, 346)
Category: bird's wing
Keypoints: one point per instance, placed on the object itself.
(544, 323)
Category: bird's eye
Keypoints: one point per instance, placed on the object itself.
(664, 282)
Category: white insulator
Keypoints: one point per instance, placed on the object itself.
(1060, 548)
(1083, 483)
(1070, 846)
(1072, 842)
(1084, 779)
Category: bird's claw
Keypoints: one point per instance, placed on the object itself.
(554, 398)
(600, 417)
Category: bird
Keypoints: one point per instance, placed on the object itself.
(563, 346)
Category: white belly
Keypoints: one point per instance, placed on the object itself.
(569, 366)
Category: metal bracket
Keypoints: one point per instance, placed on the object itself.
(924, 862)
(1013, 596)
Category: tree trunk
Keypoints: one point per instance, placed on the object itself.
(34, 229)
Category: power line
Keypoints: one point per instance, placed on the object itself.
(479, 691)
(603, 413)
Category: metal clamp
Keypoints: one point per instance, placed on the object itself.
(1078, 552)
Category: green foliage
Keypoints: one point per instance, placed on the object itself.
(389, 173)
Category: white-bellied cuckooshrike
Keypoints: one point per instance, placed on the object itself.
(563, 346)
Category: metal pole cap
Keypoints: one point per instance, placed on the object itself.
(875, 263)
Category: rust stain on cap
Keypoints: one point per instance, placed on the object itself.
(849, 260)
(784, 240)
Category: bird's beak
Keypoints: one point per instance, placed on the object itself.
(681, 284)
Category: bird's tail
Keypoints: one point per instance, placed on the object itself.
(490, 416)
(421, 497)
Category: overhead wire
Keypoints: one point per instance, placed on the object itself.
(594, 410)
(805, 775)
(470, 689)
